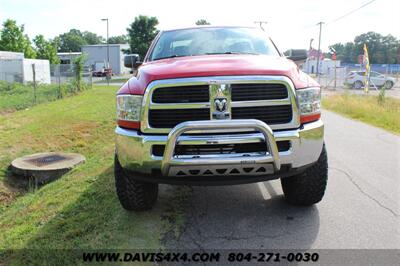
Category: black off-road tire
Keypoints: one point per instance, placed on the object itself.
(309, 187)
(133, 195)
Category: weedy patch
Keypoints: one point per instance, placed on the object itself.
(381, 96)
(16, 96)
(378, 111)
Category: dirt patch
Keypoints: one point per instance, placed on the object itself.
(9, 192)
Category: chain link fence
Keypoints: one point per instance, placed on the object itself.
(339, 77)
(22, 88)
(11, 77)
(334, 78)
(69, 79)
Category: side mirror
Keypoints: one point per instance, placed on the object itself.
(132, 61)
(297, 55)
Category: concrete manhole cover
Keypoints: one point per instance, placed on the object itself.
(46, 166)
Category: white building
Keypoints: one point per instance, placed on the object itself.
(15, 68)
(97, 57)
(325, 66)
(10, 55)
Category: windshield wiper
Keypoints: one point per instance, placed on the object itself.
(231, 52)
(170, 56)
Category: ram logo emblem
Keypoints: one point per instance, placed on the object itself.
(220, 104)
(220, 101)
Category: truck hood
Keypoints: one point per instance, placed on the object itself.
(218, 65)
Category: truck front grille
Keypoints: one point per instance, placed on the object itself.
(171, 118)
(270, 99)
(256, 92)
(215, 149)
(279, 114)
(268, 114)
(200, 93)
(183, 94)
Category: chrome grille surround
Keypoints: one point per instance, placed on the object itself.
(211, 81)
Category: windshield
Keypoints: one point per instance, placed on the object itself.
(201, 41)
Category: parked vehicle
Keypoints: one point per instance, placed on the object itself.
(218, 106)
(356, 80)
(102, 72)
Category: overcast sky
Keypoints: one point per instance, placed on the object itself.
(291, 24)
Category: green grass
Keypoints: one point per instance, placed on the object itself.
(15, 96)
(367, 109)
(113, 80)
(79, 210)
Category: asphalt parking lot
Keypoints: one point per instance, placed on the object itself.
(360, 209)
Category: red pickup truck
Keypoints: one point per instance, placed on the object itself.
(218, 106)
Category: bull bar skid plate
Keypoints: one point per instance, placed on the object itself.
(172, 165)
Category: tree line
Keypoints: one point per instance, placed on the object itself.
(139, 35)
(381, 49)
(13, 39)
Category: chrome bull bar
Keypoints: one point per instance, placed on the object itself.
(209, 126)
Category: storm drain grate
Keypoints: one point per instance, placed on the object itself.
(46, 160)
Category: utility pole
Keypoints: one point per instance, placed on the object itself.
(319, 46)
(261, 23)
(309, 56)
(34, 83)
(334, 61)
(335, 75)
(108, 53)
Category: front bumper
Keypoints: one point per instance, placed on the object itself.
(134, 151)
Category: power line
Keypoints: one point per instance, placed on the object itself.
(351, 12)
(339, 18)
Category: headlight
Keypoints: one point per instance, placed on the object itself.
(128, 110)
(309, 104)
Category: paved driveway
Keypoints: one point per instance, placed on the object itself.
(360, 209)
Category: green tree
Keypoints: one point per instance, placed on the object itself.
(56, 42)
(202, 22)
(345, 52)
(46, 49)
(13, 39)
(374, 44)
(92, 38)
(118, 39)
(141, 33)
(73, 40)
(79, 62)
(391, 48)
(381, 49)
(339, 48)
